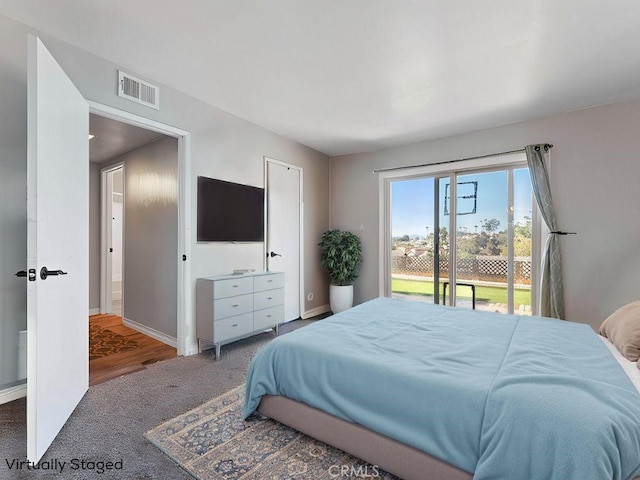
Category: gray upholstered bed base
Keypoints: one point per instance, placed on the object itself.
(406, 462)
(390, 455)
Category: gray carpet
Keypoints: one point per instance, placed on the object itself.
(109, 423)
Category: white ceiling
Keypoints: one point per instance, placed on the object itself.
(113, 138)
(345, 76)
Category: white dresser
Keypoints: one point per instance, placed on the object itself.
(231, 307)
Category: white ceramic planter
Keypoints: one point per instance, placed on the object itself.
(340, 298)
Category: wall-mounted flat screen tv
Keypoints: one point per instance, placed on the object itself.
(229, 212)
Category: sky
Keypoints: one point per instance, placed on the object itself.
(412, 202)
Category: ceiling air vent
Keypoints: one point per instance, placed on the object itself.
(138, 90)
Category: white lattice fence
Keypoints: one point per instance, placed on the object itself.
(480, 268)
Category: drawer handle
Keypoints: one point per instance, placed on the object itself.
(269, 298)
(268, 316)
(234, 306)
(235, 286)
(234, 325)
(269, 281)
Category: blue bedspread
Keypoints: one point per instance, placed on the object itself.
(506, 397)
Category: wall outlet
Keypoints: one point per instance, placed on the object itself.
(362, 227)
(309, 296)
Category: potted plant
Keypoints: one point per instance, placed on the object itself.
(340, 255)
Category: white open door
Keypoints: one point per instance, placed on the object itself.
(57, 240)
(112, 222)
(284, 222)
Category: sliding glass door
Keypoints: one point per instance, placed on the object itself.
(414, 239)
(486, 263)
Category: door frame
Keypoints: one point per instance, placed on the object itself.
(451, 170)
(267, 160)
(106, 292)
(186, 343)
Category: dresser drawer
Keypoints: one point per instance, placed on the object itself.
(228, 307)
(267, 318)
(232, 327)
(268, 298)
(232, 287)
(268, 282)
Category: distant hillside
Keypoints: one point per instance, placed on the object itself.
(411, 237)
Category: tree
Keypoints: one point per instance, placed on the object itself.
(521, 239)
(523, 229)
(404, 238)
(490, 225)
(468, 246)
(444, 236)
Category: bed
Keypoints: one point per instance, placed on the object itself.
(432, 392)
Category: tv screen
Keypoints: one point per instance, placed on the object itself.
(229, 212)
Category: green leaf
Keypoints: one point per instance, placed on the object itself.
(340, 255)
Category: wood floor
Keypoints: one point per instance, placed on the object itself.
(149, 351)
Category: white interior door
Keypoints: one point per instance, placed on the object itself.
(116, 242)
(283, 231)
(112, 225)
(107, 225)
(117, 218)
(57, 239)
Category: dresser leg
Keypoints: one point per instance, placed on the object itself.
(217, 351)
(277, 329)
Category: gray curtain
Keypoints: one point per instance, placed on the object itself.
(551, 291)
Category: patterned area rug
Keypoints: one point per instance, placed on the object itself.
(103, 342)
(213, 442)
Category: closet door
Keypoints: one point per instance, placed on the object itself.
(284, 221)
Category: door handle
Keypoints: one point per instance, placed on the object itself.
(31, 274)
(44, 273)
(274, 254)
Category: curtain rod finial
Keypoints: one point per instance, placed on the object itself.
(546, 146)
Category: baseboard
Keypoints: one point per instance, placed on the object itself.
(94, 311)
(151, 332)
(316, 311)
(13, 393)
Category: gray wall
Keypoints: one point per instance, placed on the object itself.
(222, 146)
(94, 236)
(13, 226)
(594, 174)
(151, 237)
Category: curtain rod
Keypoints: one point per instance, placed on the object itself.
(547, 146)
